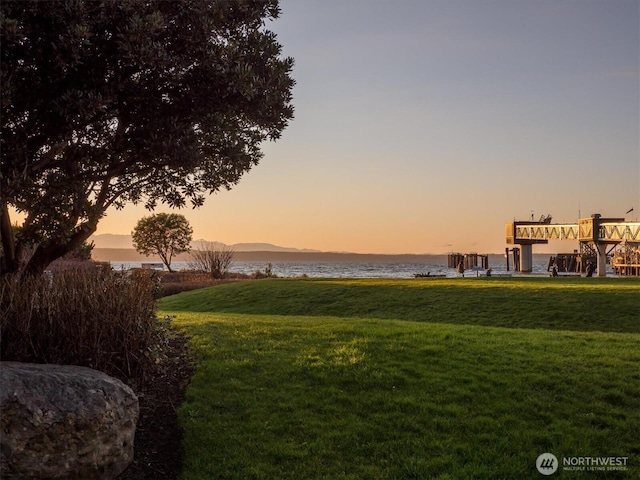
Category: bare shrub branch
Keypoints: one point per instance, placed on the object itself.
(211, 258)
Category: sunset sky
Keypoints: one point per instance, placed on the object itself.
(425, 125)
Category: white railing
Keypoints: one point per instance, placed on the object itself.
(547, 232)
(611, 232)
(627, 232)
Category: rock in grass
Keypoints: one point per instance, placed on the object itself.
(64, 422)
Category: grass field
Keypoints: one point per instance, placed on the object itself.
(410, 379)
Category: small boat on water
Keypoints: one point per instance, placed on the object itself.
(429, 275)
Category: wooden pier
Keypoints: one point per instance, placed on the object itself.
(571, 262)
(468, 260)
(516, 257)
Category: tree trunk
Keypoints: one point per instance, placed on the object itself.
(48, 252)
(9, 262)
(165, 259)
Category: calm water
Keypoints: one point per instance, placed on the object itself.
(435, 265)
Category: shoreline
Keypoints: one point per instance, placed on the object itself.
(131, 255)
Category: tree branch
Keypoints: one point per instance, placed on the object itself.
(47, 252)
(47, 158)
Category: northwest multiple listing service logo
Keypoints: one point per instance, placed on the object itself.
(548, 464)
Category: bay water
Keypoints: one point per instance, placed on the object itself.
(434, 265)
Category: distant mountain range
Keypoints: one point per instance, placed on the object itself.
(110, 240)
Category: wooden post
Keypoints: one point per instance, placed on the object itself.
(516, 259)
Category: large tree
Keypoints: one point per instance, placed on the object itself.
(162, 234)
(115, 101)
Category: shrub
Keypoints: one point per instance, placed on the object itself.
(268, 273)
(210, 258)
(175, 282)
(94, 318)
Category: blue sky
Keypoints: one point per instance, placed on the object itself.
(423, 126)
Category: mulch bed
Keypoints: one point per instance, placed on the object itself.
(158, 443)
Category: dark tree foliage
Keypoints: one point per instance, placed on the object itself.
(115, 101)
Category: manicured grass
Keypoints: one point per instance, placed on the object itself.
(407, 379)
(581, 304)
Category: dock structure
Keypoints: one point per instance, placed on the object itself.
(595, 234)
(626, 260)
(468, 260)
(575, 262)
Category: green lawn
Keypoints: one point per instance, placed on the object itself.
(408, 379)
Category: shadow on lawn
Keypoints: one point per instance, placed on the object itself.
(524, 305)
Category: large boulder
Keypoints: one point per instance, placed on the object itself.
(64, 422)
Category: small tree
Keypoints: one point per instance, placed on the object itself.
(162, 234)
(212, 260)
